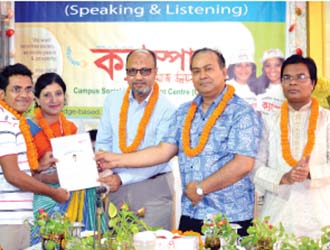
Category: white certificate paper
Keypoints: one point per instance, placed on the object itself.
(76, 167)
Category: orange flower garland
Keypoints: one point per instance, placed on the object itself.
(208, 126)
(286, 151)
(45, 126)
(31, 150)
(142, 125)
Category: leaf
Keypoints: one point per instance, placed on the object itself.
(112, 211)
(50, 245)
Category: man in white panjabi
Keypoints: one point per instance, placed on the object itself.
(292, 168)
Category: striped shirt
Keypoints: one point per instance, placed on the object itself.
(15, 204)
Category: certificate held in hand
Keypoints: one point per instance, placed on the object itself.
(76, 167)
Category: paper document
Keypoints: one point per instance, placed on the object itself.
(76, 167)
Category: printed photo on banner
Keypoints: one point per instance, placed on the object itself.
(87, 43)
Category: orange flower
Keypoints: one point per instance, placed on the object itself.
(142, 125)
(208, 126)
(176, 231)
(46, 128)
(286, 151)
(42, 139)
(31, 150)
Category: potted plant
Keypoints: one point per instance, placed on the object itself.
(123, 224)
(218, 227)
(53, 229)
(263, 236)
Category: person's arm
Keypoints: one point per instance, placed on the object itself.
(229, 174)
(268, 175)
(17, 178)
(147, 157)
(51, 178)
(299, 173)
(45, 162)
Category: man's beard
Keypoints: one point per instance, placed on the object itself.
(143, 91)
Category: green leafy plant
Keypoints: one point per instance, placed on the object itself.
(123, 224)
(53, 230)
(307, 243)
(217, 227)
(263, 235)
(325, 237)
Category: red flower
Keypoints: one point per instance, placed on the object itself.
(292, 27)
(10, 32)
(41, 210)
(221, 223)
(299, 51)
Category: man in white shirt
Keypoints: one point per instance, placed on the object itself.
(16, 158)
(292, 168)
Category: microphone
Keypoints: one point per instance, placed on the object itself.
(101, 190)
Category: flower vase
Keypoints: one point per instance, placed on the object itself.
(53, 242)
(212, 243)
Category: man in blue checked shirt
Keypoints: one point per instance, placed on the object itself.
(134, 119)
(216, 138)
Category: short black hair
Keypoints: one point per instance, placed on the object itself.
(12, 70)
(154, 57)
(3, 82)
(221, 59)
(309, 62)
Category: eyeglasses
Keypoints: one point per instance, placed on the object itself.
(19, 90)
(301, 78)
(143, 71)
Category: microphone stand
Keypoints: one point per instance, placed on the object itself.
(100, 195)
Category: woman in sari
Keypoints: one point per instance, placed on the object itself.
(49, 122)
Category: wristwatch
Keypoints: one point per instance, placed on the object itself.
(199, 190)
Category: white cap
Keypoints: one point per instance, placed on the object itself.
(241, 57)
(272, 53)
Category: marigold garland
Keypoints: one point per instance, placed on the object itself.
(31, 150)
(45, 126)
(208, 126)
(286, 151)
(142, 125)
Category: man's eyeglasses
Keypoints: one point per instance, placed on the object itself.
(301, 78)
(134, 71)
(19, 90)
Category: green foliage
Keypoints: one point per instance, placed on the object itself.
(325, 238)
(124, 223)
(262, 232)
(263, 235)
(218, 226)
(54, 230)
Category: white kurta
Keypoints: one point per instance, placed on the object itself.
(303, 208)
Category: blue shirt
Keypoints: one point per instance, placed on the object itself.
(107, 134)
(237, 131)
